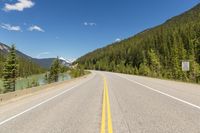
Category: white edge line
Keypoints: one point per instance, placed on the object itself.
(37, 105)
(173, 97)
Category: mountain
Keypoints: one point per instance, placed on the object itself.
(4, 49)
(155, 52)
(65, 62)
(26, 65)
(44, 63)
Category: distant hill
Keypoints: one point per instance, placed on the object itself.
(4, 49)
(26, 65)
(155, 52)
(44, 63)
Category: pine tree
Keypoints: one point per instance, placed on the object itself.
(144, 68)
(175, 61)
(154, 63)
(10, 71)
(54, 71)
(194, 67)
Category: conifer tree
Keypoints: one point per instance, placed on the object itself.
(154, 63)
(10, 71)
(144, 69)
(194, 67)
(54, 71)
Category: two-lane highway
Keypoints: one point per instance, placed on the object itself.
(104, 103)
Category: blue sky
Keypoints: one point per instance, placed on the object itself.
(71, 28)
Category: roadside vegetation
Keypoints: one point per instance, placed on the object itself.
(77, 72)
(10, 71)
(57, 68)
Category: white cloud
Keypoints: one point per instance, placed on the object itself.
(89, 24)
(42, 54)
(19, 6)
(117, 40)
(10, 27)
(35, 28)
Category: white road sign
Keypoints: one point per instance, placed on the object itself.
(185, 66)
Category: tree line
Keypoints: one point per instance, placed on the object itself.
(156, 52)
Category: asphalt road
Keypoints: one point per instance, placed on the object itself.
(107, 102)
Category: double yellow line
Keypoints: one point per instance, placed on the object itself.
(106, 110)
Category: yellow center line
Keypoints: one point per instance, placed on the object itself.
(106, 105)
(103, 119)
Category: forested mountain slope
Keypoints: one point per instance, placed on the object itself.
(155, 52)
(26, 65)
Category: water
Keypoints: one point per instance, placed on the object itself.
(24, 83)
